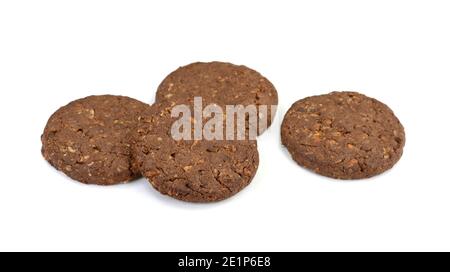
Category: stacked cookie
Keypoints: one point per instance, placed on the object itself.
(108, 139)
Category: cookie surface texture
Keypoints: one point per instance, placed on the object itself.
(343, 135)
(89, 140)
(222, 84)
(191, 170)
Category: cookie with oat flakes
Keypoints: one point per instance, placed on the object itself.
(343, 135)
(88, 139)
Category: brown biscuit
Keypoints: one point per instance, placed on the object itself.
(89, 139)
(343, 135)
(222, 84)
(191, 170)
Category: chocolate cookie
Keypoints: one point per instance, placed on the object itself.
(222, 84)
(191, 170)
(343, 135)
(89, 139)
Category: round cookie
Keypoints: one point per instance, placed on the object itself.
(89, 140)
(343, 135)
(191, 170)
(222, 84)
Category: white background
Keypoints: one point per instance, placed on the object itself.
(52, 52)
